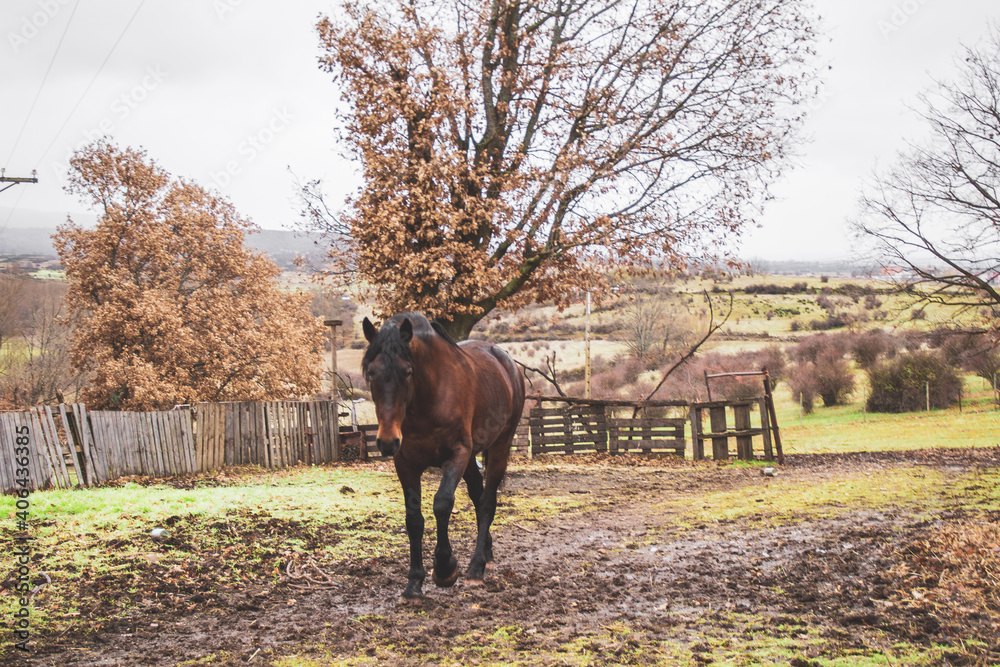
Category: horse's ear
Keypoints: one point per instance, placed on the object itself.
(406, 330)
(369, 330)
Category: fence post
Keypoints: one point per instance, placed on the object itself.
(744, 443)
(773, 414)
(697, 444)
(720, 445)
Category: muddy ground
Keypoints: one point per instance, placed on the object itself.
(613, 582)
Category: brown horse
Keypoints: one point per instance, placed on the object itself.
(440, 404)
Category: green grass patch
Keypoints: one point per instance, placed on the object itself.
(849, 428)
(781, 500)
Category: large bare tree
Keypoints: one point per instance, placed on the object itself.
(935, 214)
(513, 151)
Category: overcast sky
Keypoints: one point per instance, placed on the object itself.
(228, 93)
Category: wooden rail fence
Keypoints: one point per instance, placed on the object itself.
(572, 425)
(568, 425)
(742, 431)
(69, 446)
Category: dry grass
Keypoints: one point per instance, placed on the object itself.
(953, 575)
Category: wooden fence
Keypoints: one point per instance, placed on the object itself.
(579, 426)
(70, 446)
(365, 437)
(571, 426)
(742, 431)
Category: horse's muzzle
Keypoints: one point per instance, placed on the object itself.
(388, 447)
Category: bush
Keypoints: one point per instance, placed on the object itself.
(871, 347)
(821, 369)
(832, 322)
(771, 288)
(774, 360)
(802, 382)
(608, 383)
(824, 302)
(811, 348)
(834, 379)
(901, 385)
(985, 363)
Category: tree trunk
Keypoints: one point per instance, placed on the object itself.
(459, 327)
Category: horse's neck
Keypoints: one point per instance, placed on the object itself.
(430, 365)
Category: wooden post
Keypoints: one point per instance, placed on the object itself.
(334, 391)
(720, 445)
(765, 427)
(744, 443)
(586, 366)
(333, 324)
(769, 398)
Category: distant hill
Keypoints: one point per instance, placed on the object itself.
(27, 241)
(281, 246)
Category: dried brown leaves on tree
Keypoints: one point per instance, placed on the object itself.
(514, 151)
(172, 307)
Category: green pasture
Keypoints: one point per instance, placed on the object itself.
(849, 428)
(73, 528)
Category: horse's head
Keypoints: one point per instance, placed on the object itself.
(388, 369)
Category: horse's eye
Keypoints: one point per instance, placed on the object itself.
(408, 372)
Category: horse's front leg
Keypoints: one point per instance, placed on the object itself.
(445, 565)
(414, 531)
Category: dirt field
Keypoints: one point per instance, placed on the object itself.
(623, 576)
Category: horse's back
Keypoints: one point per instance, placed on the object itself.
(499, 387)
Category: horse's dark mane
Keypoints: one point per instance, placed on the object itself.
(388, 341)
(440, 331)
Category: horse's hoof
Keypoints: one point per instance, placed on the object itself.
(473, 583)
(490, 565)
(411, 599)
(447, 582)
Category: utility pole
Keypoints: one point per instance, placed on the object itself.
(14, 180)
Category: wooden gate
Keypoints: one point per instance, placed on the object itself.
(742, 431)
(570, 430)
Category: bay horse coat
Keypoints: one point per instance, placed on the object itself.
(440, 404)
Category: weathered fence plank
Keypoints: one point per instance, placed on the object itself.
(744, 443)
(71, 445)
(8, 464)
(574, 428)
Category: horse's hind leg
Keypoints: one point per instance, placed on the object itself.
(474, 483)
(496, 468)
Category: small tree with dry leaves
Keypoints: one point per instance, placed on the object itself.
(514, 151)
(171, 306)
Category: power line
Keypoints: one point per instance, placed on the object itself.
(89, 85)
(41, 86)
